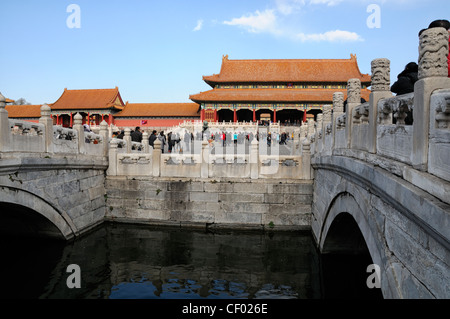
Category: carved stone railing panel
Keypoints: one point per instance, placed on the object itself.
(443, 113)
(363, 111)
(396, 107)
(19, 127)
(439, 141)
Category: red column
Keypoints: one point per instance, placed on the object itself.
(215, 116)
(103, 116)
(57, 119)
(234, 116)
(274, 116)
(202, 115)
(254, 115)
(71, 119)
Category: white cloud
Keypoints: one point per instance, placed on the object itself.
(327, 2)
(257, 22)
(330, 36)
(288, 7)
(199, 25)
(269, 22)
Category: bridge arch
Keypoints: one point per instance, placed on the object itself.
(347, 232)
(400, 222)
(28, 214)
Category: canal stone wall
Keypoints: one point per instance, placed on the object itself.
(210, 203)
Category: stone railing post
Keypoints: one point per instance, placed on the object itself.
(112, 159)
(433, 75)
(204, 173)
(5, 131)
(319, 137)
(105, 136)
(254, 160)
(306, 159)
(78, 126)
(156, 158)
(145, 137)
(296, 142)
(319, 121)
(46, 119)
(311, 128)
(380, 90)
(127, 139)
(338, 110)
(327, 109)
(353, 100)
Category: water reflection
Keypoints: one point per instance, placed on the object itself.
(130, 261)
(120, 261)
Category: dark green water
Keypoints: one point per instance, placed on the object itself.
(121, 261)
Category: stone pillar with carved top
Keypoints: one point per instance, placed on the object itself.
(306, 159)
(254, 161)
(5, 132)
(338, 110)
(105, 136)
(145, 142)
(112, 156)
(380, 90)
(353, 100)
(156, 158)
(433, 75)
(46, 119)
(78, 126)
(127, 139)
(205, 158)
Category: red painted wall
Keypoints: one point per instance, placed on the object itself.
(149, 123)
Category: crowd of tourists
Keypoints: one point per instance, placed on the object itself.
(179, 142)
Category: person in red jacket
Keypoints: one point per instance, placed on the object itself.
(446, 25)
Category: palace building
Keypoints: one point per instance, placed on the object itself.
(284, 90)
(96, 105)
(277, 90)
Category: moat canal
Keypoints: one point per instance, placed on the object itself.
(123, 261)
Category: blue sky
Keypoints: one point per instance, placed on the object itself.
(158, 51)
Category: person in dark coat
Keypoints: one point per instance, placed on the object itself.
(136, 136)
(406, 79)
(152, 139)
(405, 84)
(162, 138)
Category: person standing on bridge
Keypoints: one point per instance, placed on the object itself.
(162, 138)
(136, 136)
(405, 84)
(152, 139)
(187, 140)
(406, 79)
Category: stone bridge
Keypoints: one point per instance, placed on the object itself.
(359, 178)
